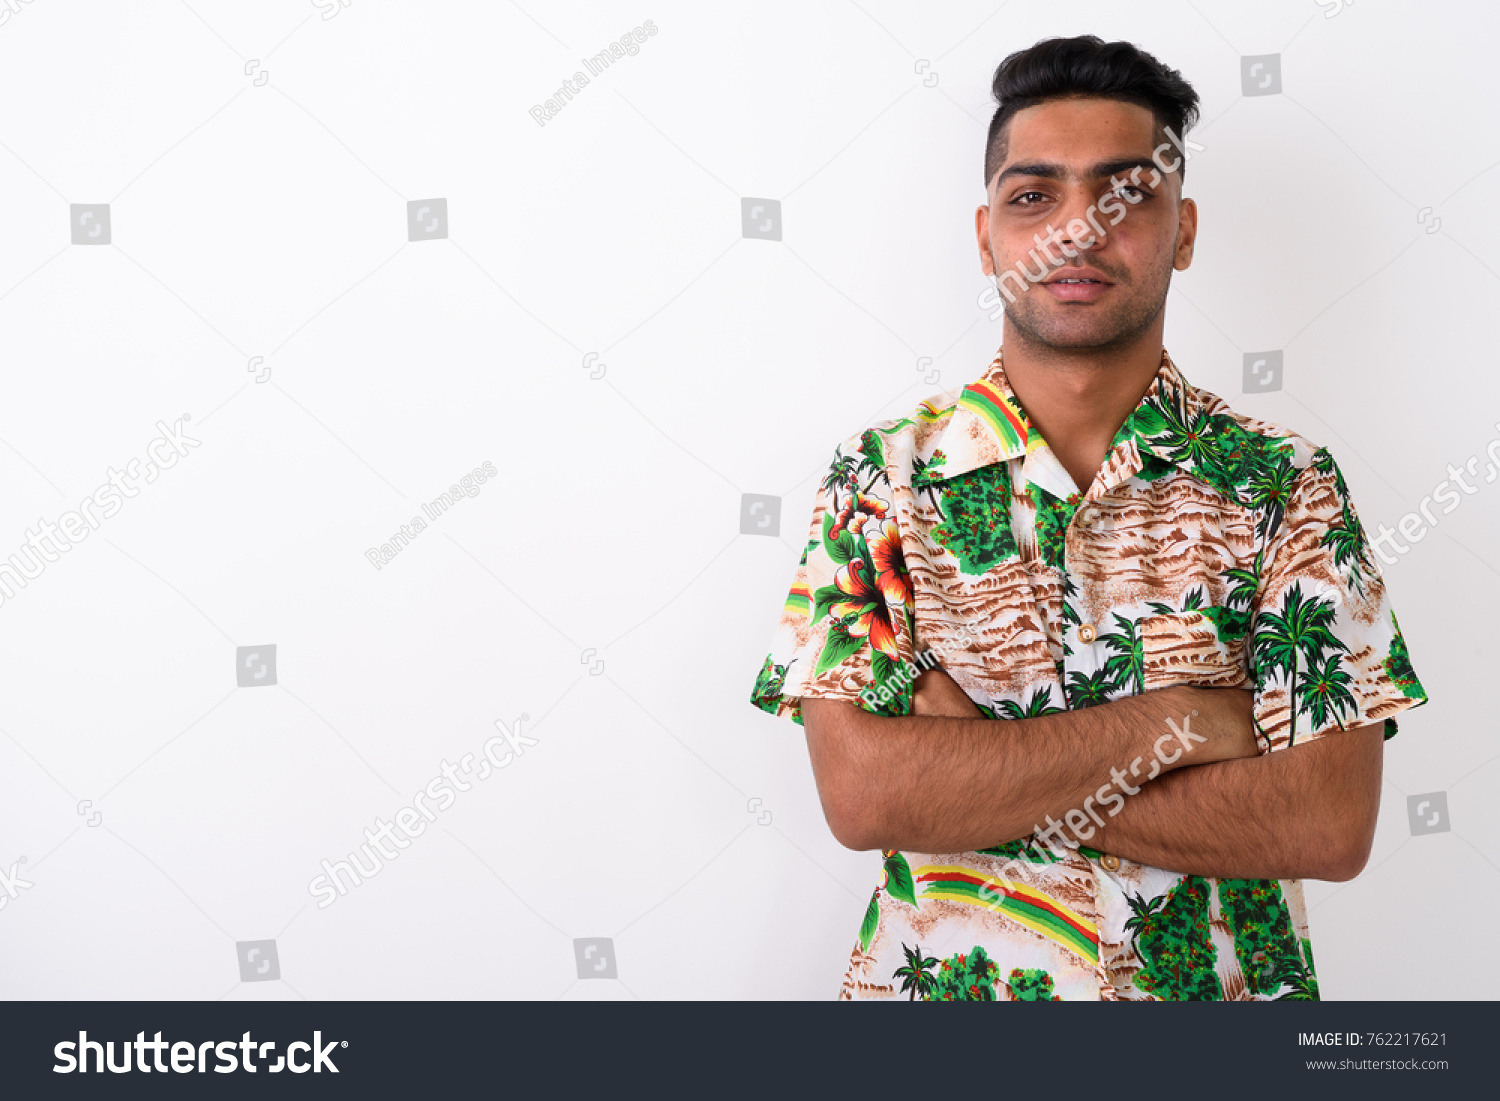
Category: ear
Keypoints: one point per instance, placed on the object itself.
(1187, 234)
(982, 233)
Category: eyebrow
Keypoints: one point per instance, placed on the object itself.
(1052, 171)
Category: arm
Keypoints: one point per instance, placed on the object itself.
(936, 782)
(1305, 811)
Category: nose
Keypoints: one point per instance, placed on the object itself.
(1079, 226)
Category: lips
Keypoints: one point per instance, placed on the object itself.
(1089, 290)
(1086, 275)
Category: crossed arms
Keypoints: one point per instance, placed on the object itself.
(1174, 776)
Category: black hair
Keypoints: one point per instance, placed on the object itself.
(1058, 68)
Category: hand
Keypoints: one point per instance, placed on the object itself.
(938, 694)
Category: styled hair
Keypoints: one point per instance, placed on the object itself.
(1058, 68)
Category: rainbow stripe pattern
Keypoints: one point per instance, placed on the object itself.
(987, 402)
(1034, 909)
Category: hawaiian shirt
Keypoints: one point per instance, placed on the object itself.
(1212, 549)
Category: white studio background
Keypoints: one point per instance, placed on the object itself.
(580, 305)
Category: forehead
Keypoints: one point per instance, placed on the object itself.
(1079, 131)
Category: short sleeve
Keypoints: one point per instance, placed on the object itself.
(846, 629)
(1327, 652)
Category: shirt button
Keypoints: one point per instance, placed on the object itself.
(1086, 633)
(1109, 862)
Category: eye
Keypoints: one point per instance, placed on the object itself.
(1141, 192)
(1017, 200)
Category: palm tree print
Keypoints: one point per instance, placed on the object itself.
(1230, 623)
(1170, 934)
(1040, 704)
(914, 975)
(871, 922)
(924, 474)
(1296, 974)
(841, 473)
(1126, 665)
(1171, 430)
(1086, 691)
(1346, 538)
(1070, 616)
(1347, 541)
(1142, 912)
(1270, 488)
(872, 458)
(1191, 603)
(1324, 691)
(1296, 637)
(1253, 469)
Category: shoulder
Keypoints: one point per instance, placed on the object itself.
(893, 443)
(1294, 483)
(1272, 437)
(1267, 436)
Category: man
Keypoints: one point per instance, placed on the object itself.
(1172, 607)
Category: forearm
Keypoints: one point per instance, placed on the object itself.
(1307, 812)
(941, 784)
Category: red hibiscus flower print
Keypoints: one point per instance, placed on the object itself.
(863, 611)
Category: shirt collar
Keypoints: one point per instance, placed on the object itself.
(988, 425)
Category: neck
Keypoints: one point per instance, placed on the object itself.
(1078, 398)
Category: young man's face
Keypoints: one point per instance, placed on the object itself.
(1056, 173)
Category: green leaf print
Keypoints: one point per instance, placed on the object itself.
(840, 548)
(1039, 704)
(1398, 665)
(871, 923)
(1031, 984)
(1171, 936)
(767, 692)
(1258, 918)
(899, 883)
(966, 977)
(1299, 976)
(872, 459)
(1022, 848)
(976, 529)
(839, 646)
(1053, 515)
(1237, 462)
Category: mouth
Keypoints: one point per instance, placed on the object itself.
(1077, 289)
